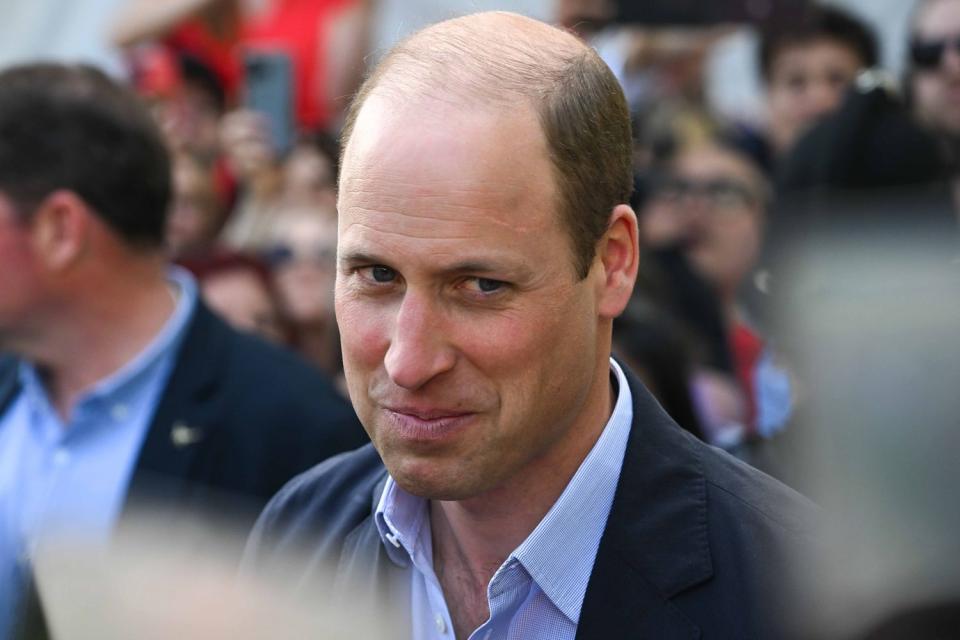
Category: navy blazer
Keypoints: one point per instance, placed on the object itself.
(237, 419)
(697, 544)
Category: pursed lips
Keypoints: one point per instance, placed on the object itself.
(426, 423)
(426, 413)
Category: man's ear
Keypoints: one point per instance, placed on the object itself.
(60, 229)
(618, 253)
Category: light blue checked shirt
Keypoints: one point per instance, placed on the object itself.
(538, 591)
(70, 478)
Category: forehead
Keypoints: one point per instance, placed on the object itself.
(824, 51)
(714, 162)
(425, 166)
(938, 18)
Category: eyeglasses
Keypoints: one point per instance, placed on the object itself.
(928, 54)
(722, 193)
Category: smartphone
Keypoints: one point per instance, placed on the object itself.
(269, 91)
(700, 13)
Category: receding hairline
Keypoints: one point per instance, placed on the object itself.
(492, 58)
(500, 59)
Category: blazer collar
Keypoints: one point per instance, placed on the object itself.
(9, 381)
(655, 544)
(366, 570)
(186, 416)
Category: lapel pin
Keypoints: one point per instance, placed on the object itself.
(182, 435)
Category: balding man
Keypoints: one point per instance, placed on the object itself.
(529, 487)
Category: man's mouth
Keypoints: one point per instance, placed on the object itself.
(424, 423)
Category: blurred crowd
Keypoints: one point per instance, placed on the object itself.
(251, 95)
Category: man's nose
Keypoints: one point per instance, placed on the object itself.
(419, 350)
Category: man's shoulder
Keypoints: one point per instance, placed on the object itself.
(316, 510)
(258, 380)
(748, 493)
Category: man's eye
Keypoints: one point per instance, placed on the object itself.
(486, 285)
(379, 273)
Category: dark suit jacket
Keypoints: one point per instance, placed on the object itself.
(238, 418)
(696, 544)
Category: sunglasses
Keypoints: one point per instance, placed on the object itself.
(927, 54)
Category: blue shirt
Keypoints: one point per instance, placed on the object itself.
(538, 591)
(70, 478)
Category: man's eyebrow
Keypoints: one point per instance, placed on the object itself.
(358, 257)
(472, 266)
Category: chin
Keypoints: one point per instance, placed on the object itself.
(426, 480)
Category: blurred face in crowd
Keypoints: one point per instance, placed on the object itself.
(308, 176)
(194, 218)
(935, 57)
(716, 198)
(303, 255)
(242, 298)
(806, 81)
(19, 285)
(472, 349)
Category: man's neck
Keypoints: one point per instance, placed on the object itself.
(103, 330)
(472, 538)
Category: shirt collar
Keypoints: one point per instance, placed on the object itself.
(560, 552)
(124, 382)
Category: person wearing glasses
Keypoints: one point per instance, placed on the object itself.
(934, 70)
(710, 202)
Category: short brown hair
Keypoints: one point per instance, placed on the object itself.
(578, 101)
(72, 127)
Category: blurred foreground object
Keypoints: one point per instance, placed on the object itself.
(869, 315)
(159, 582)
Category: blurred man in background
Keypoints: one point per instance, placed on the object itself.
(123, 389)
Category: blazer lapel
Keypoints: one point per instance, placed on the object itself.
(186, 414)
(655, 543)
(9, 381)
(367, 572)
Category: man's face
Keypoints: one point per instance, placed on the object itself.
(470, 345)
(19, 284)
(807, 81)
(936, 86)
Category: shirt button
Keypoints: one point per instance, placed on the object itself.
(441, 623)
(119, 412)
(61, 457)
